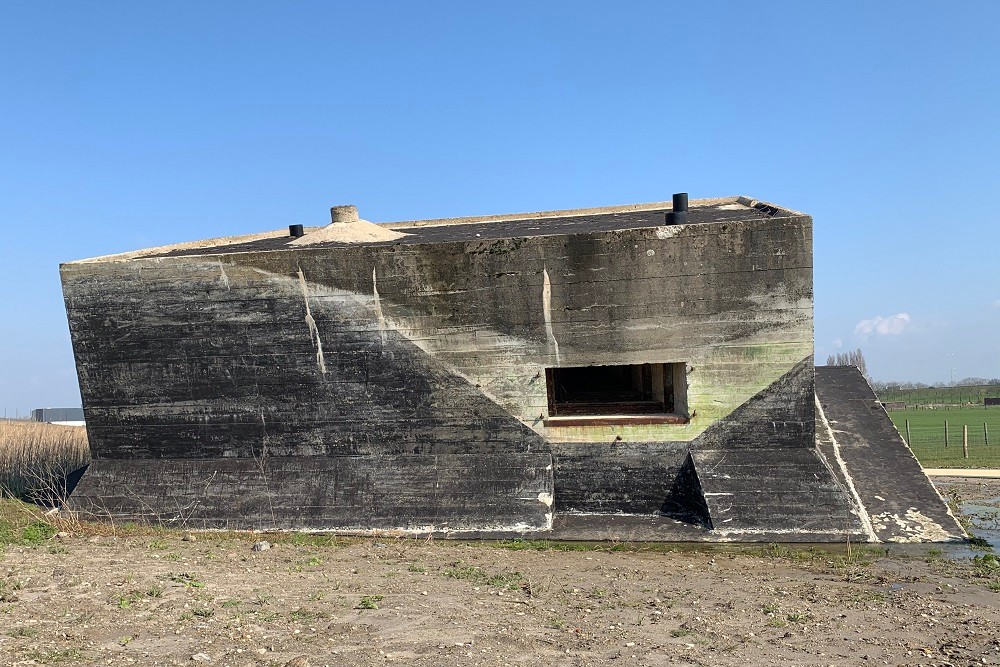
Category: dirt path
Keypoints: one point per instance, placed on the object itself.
(144, 597)
(164, 600)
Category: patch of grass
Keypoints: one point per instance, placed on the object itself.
(203, 612)
(986, 562)
(510, 580)
(126, 600)
(681, 632)
(416, 568)
(369, 602)
(979, 543)
(870, 596)
(37, 532)
(188, 579)
(51, 656)
(303, 614)
(543, 545)
(25, 530)
(23, 631)
(774, 550)
(309, 539)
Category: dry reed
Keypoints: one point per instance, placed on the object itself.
(37, 457)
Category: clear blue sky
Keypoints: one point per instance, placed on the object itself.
(131, 124)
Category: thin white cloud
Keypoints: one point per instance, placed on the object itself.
(838, 343)
(893, 325)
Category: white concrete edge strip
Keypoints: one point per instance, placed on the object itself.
(982, 473)
(863, 511)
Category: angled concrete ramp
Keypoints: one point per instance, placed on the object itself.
(772, 492)
(897, 501)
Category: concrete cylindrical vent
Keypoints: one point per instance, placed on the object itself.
(678, 214)
(348, 213)
(295, 230)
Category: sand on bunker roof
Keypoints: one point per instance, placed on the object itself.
(358, 231)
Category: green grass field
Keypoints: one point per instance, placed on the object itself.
(927, 432)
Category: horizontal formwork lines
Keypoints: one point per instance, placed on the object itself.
(240, 330)
(413, 282)
(221, 334)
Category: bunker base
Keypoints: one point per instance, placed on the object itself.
(840, 490)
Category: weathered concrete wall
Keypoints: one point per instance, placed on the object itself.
(436, 352)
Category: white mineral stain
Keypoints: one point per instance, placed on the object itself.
(223, 277)
(313, 329)
(378, 307)
(668, 232)
(547, 310)
(914, 526)
(867, 520)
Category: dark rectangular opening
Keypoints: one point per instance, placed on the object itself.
(634, 389)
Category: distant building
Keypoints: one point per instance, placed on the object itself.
(64, 416)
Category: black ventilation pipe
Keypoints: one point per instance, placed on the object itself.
(295, 230)
(678, 215)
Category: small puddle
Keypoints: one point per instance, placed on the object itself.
(984, 518)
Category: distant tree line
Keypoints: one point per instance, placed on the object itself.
(884, 385)
(857, 358)
(852, 358)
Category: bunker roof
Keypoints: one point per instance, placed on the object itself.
(348, 230)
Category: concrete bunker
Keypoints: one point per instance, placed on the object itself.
(638, 372)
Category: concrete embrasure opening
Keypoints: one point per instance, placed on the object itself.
(632, 389)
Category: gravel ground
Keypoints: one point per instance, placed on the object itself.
(145, 597)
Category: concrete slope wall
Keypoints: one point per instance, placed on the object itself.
(898, 501)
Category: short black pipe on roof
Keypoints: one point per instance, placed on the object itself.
(680, 202)
(678, 213)
(295, 230)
